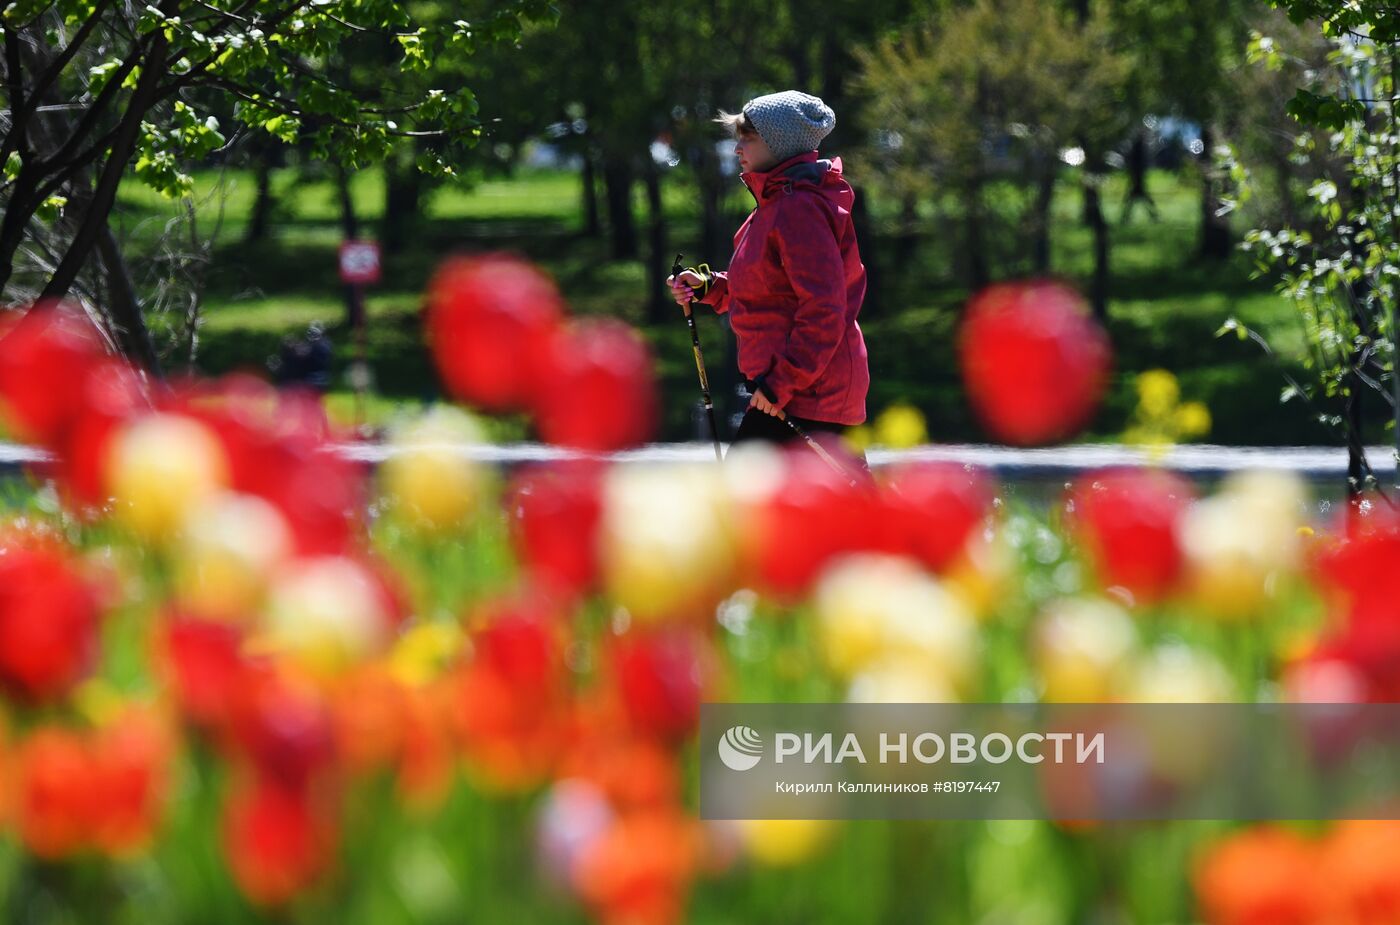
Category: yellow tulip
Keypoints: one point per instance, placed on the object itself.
(1178, 673)
(1182, 745)
(159, 468)
(1158, 392)
(423, 651)
(231, 545)
(1241, 543)
(785, 842)
(900, 426)
(1082, 646)
(900, 680)
(324, 613)
(872, 606)
(666, 540)
(428, 478)
(1192, 419)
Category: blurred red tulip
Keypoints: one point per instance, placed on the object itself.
(554, 515)
(929, 509)
(55, 799)
(284, 728)
(131, 758)
(518, 639)
(508, 704)
(277, 842)
(488, 319)
(1034, 362)
(45, 358)
(1261, 876)
(600, 390)
(1128, 521)
(1358, 567)
(1357, 570)
(48, 624)
(204, 665)
(277, 451)
(112, 395)
(813, 516)
(659, 676)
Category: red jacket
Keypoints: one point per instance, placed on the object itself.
(794, 288)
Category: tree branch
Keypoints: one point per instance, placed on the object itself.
(55, 67)
(265, 25)
(123, 145)
(17, 138)
(109, 91)
(287, 108)
(366, 30)
(66, 173)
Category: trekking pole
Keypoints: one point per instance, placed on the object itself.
(819, 449)
(699, 361)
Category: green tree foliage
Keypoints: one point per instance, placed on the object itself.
(1341, 265)
(961, 100)
(1185, 56)
(98, 91)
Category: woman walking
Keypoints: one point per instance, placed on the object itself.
(795, 284)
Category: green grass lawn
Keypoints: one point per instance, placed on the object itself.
(1165, 304)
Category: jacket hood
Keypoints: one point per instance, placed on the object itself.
(805, 171)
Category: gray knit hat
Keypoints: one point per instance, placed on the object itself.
(790, 122)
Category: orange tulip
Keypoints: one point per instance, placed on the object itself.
(639, 871)
(1361, 871)
(1262, 876)
(131, 769)
(54, 793)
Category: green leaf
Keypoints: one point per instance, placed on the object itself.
(51, 209)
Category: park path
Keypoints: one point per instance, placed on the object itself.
(1322, 463)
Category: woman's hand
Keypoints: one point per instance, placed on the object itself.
(761, 402)
(683, 286)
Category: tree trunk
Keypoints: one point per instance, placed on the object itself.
(1045, 196)
(262, 205)
(350, 230)
(617, 180)
(658, 261)
(124, 307)
(1093, 214)
(403, 194)
(153, 69)
(1137, 162)
(349, 222)
(1356, 443)
(592, 224)
(1215, 230)
(19, 211)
